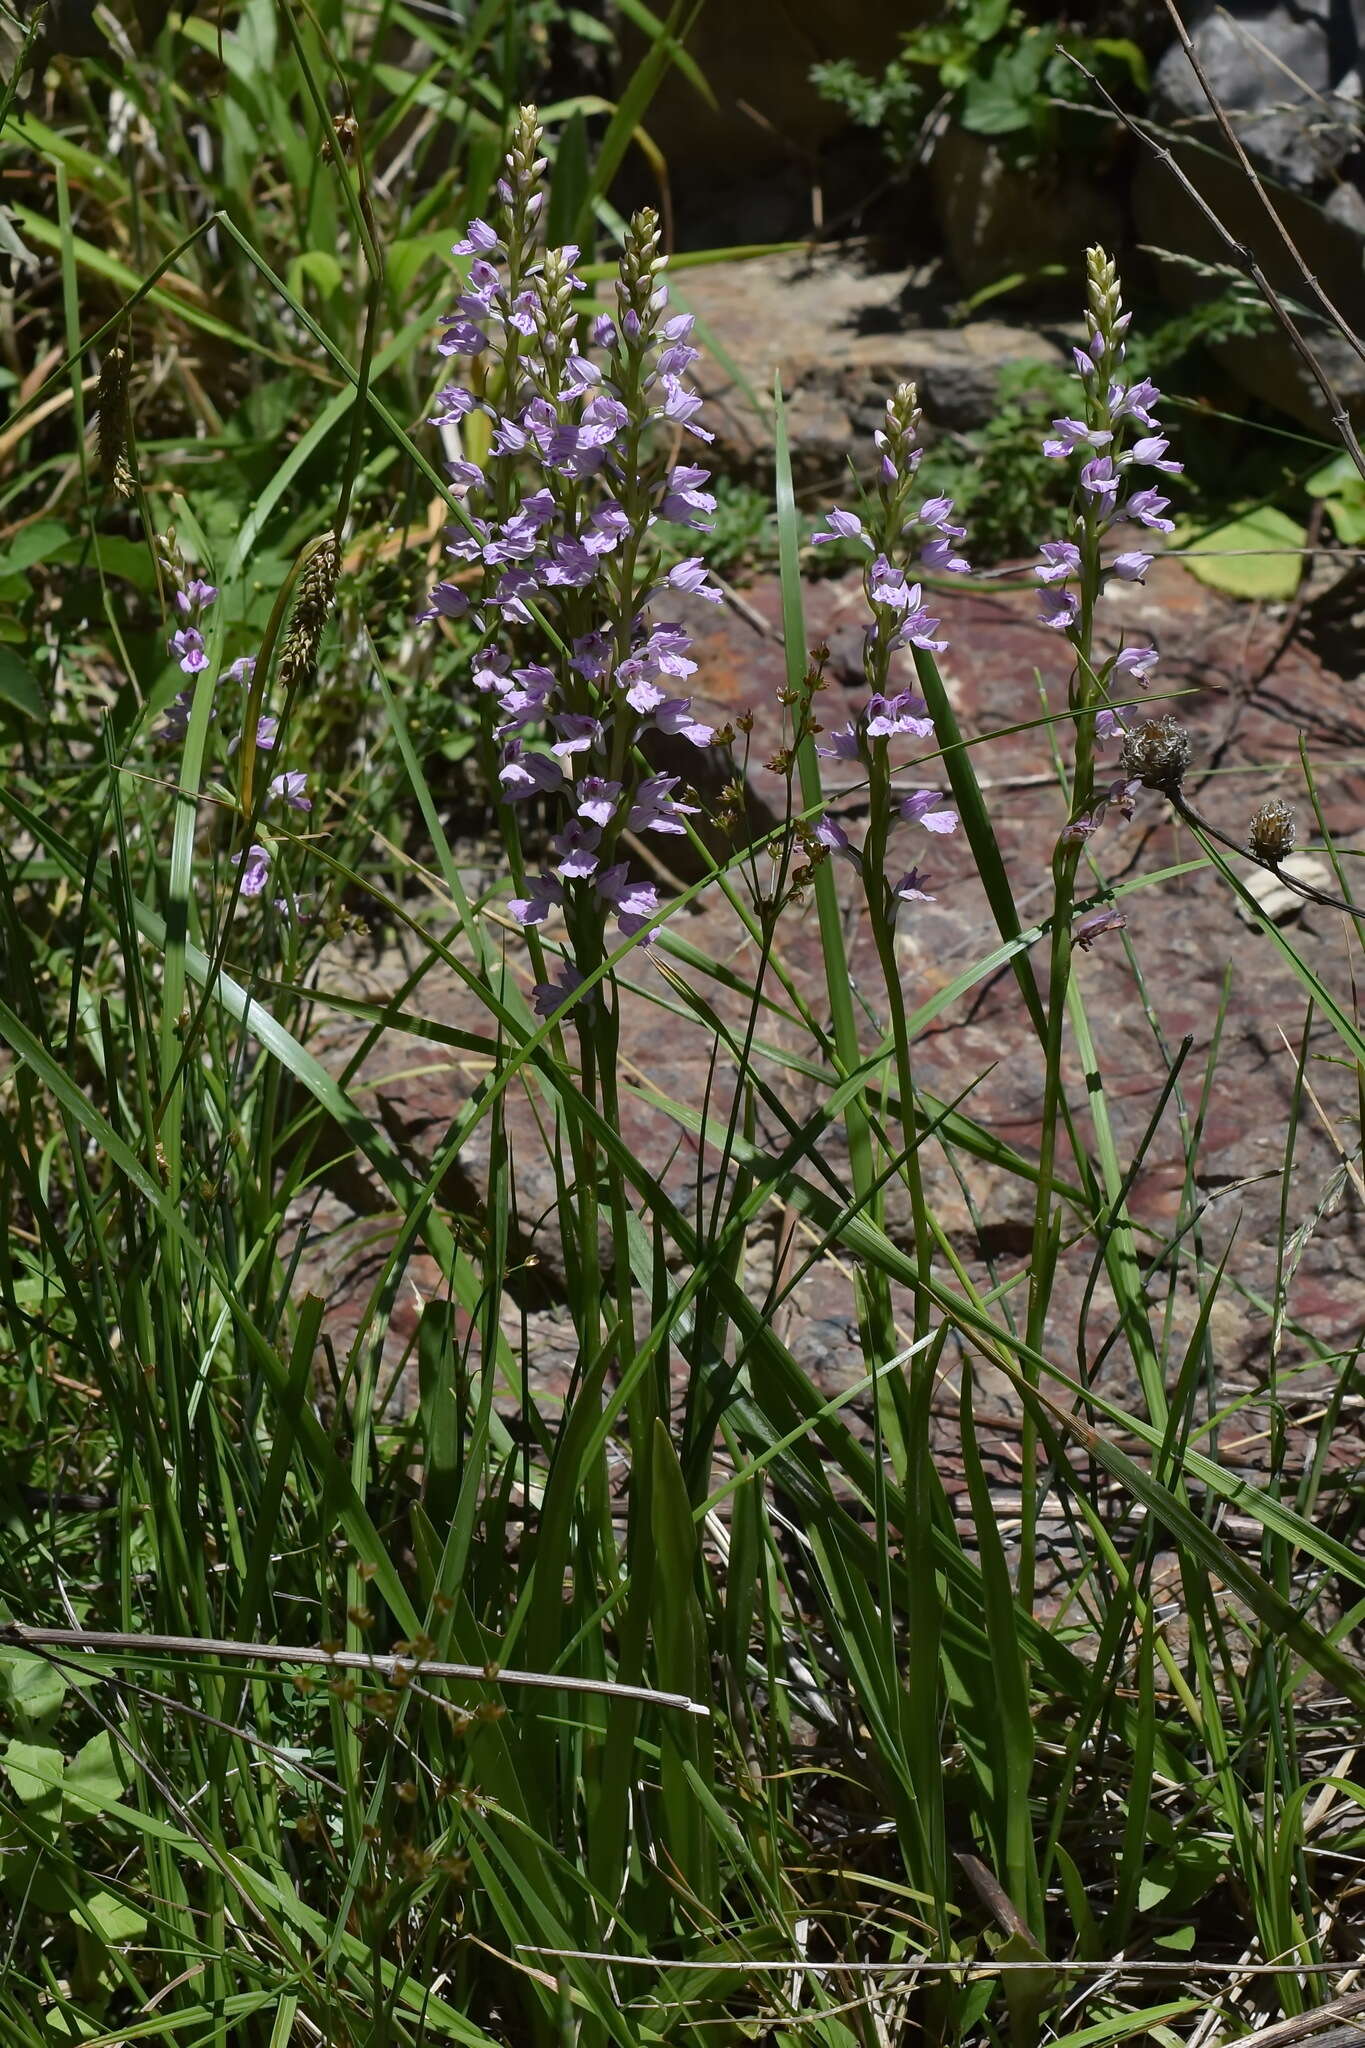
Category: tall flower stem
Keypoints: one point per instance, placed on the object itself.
(1074, 575)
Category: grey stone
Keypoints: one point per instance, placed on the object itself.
(1283, 75)
(1331, 248)
(841, 335)
(1000, 221)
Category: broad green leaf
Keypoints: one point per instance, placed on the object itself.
(34, 543)
(320, 268)
(1257, 555)
(34, 1770)
(31, 1686)
(1342, 489)
(92, 1776)
(19, 689)
(112, 1919)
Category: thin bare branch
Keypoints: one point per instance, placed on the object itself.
(1233, 140)
(113, 1643)
(1245, 261)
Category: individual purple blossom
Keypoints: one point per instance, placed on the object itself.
(490, 669)
(1058, 608)
(535, 908)
(597, 799)
(674, 716)
(928, 808)
(462, 337)
(656, 810)
(576, 850)
(1134, 403)
(634, 903)
(1061, 558)
(267, 732)
(1097, 924)
(1131, 566)
(577, 733)
(525, 775)
(243, 669)
(905, 713)
(1137, 663)
(829, 832)
(522, 699)
(917, 629)
(187, 644)
(606, 529)
(453, 403)
(1145, 508)
(513, 589)
(1151, 452)
(465, 477)
(481, 289)
(479, 240)
(887, 585)
(509, 438)
(690, 575)
(549, 996)
(1100, 479)
(603, 331)
(644, 691)
(684, 501)
(843, 745)
(292, 788)
(523, 312)
(445, 601)
(175, 720)
(937, 554)
(1109, 724)
(682, 408)
(197, 596)
(842, 526)
(668, 648)
(1069, 435)
(255, 866)
(910, 888)
(571, 565)
(591, 656)
(580, 375)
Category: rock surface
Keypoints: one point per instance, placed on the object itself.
(1288, 76)
(841, 334)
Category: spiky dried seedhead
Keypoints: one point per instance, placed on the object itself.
(1271, 834)
(1157, 753)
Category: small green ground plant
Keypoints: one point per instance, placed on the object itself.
(375, 1683)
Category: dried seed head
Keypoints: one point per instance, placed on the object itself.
(312, 604)
(1271, 835)
(1157, 753)
(342, 141)
(112, 399)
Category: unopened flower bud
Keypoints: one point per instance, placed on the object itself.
(1271, 835)
(1102, 291)
(1157, 753)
